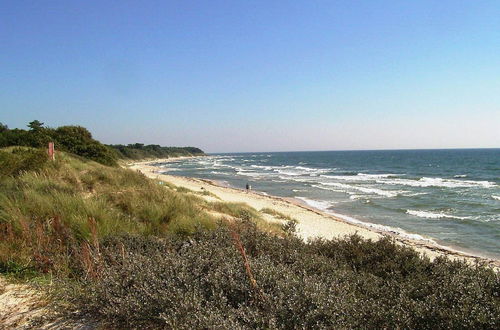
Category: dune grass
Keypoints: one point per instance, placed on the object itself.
(49, 212)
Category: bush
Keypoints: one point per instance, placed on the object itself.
(19, 160)
(202, 282)
(78, 140)
(75, 139)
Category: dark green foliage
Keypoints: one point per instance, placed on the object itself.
(78, 140)
(35, 125)
(19, 160)
(140, 151)
(75, 139)
(201, 282)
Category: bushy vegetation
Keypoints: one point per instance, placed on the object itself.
(75, 139)
(237, 277)
(140, 151)
(15, 161)
(79, 141)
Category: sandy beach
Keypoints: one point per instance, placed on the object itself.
(311, 223)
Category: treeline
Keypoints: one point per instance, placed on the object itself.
(141, 151)
(79, 141)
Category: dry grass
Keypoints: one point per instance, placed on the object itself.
(51, 218)
(277, 214)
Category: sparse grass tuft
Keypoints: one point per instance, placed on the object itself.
(237, 210)
(208, 193)
(276, 214)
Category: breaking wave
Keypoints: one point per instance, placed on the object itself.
(438, 182)
(432, 215)
(376, 191)
(320, 205)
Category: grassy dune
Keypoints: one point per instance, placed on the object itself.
(49, 213)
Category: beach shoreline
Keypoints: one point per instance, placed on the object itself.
(312, 223)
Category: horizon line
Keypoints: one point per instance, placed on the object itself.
(330, 150)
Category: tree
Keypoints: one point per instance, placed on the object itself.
(35, 125)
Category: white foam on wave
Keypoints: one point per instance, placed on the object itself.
(495, 197)
(305, 168)
(267, 168)
(251, 174)
(438, 182)
(415, 194)
(366, 190)
(298, 179)
(332, 189)
(285, 172)
(354, 197)
(318, 204)
(460, 176)
(433, 215)
(314, 170)
(223, 165)
(360, 177)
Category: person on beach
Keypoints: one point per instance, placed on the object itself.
(248, 187)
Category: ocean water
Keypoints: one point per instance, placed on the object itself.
(451, 197)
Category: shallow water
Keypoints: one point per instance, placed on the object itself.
(449, 196)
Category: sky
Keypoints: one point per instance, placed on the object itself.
(244, 76)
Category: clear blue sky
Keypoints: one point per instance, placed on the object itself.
(256, 75)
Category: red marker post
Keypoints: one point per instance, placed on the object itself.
(51, 151)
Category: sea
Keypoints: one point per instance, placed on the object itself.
(450, 197)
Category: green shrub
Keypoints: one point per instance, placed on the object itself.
(19, 160)
(78, 140)
(75, 139)
(201, 282)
